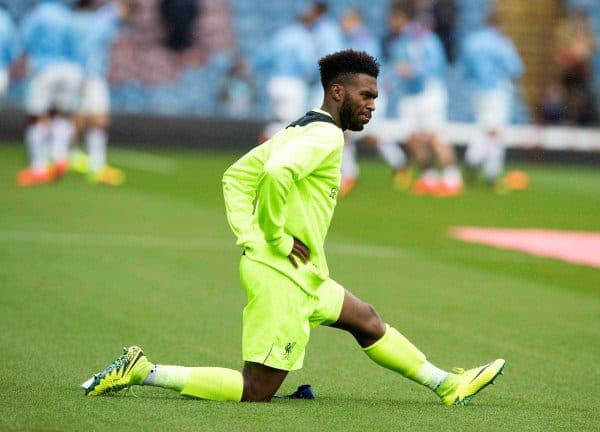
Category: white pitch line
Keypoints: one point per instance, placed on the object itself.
(192, 242)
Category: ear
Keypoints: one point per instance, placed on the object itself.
(338, 92)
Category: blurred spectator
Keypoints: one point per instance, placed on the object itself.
(444, 21)
(327, 38)
(95, 31)
(491, 64)
(287, 61)
(360, 38)
(575, 46)
(552, 106)
(396, 24)
(54, 80)
(8, 48)
(140, 55)
(238, 92)
(357, 35)
(178, 17)
(325, 30)
(418, 61)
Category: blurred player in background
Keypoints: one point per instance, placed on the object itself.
(280, 199)
(417, 59)
(54, 82)
(327, 38)
(95, 30)
(287, 60)
(238, 90)
(491, 64)
(359, 38)
(575, 50)
(8, 49)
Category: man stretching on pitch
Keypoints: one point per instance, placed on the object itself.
(280, 199)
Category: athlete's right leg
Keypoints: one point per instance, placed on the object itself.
(275, 334)
(256, 383)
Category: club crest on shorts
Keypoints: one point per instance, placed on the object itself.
(333, 193)
(288, 350)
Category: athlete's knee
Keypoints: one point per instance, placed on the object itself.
(260, 382)
(255, 391)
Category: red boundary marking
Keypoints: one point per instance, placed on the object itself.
(576, 247)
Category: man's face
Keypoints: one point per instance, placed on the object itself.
(359, 101)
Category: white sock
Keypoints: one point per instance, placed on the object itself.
(63, 130)
(349, 164)
(430, 176)
(391, 153)
(171, 377)
(431, 376)
(95, 141)
(476, 150)
(36, 137)
(494, 162)
(452, 176)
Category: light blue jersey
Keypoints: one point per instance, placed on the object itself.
(8, 40)
(327, 36)
(361, 39)
(490, 59)
(47, 36)
(423, 52)
(289, 53)
(95, 32)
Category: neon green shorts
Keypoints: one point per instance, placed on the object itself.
(279, 315)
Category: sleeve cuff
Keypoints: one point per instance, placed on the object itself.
(283, 245)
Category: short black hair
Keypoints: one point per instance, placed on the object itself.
(335, 66)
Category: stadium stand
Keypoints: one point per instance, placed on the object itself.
(147, 77)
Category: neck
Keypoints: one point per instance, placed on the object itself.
(330, 108)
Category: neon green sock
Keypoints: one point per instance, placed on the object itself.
(214, 383)
(393, 351)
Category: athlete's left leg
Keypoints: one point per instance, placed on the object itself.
(384, 344)
(390, 349)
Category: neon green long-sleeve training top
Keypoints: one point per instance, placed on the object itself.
(284, 188)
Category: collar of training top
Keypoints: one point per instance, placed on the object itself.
(312, 116)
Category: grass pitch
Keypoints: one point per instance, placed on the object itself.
(85, 270)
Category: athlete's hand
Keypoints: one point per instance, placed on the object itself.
(300, 250)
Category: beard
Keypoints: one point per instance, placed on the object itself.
(348, 119)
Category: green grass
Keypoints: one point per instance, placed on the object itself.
(85, 270)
